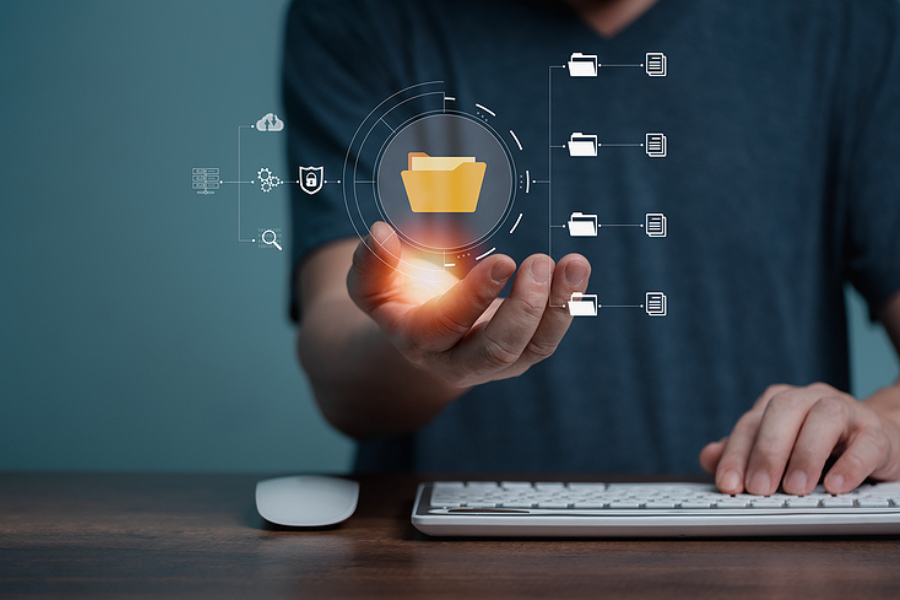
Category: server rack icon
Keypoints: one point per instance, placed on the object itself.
(205, 180)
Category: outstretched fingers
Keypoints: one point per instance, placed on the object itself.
(571, 275)
(500, 343)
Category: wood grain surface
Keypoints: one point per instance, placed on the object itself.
(198, 536)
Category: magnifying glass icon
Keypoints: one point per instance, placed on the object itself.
(273, 241)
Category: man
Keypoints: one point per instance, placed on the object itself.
(780, 185)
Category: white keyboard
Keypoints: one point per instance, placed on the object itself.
(555, 509)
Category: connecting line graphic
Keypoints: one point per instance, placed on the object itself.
(241, 239)
(600, 306)
(597, 145)
(548, 181)
(565, 226)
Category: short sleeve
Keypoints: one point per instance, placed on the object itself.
(334, 72)
(871, 182)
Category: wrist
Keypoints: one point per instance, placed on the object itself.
(886, 403)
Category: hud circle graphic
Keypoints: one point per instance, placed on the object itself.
(444, 181)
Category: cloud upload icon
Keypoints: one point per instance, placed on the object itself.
(270, 122)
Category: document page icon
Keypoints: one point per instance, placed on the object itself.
(655, 304)
(655, 64)
(655, 225)
(582, 225)
(583, 65)
(583, 305)
(582, 145)
(655, 145)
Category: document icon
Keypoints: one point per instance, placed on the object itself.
(582, 145)
(655, 225)
(582, 225)
(445, 184)
(655, 304)
(655, 64)
(655, 145)
(583, 65)
(583, 305)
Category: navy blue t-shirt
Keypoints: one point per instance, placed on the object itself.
(781, 183)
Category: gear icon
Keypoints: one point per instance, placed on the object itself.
(267, 180)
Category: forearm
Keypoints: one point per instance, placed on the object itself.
(886, 401)
(362, 384)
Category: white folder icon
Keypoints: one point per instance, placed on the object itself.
(582, 145)
(582, 225)
(583, 65)
(583, 305)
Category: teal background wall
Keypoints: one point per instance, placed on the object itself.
(136, 332)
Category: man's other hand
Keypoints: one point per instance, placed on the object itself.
(467, 335)
(791, 432)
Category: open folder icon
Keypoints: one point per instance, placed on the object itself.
(583, 305)
(582, 65)
(443, 184)
(582, 145)
(582, 225)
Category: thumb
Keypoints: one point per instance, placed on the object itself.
(374, 267)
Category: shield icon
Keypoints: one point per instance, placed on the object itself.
(311, 179)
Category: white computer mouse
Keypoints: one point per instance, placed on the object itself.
(306, 500)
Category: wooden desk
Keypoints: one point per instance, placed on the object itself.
(174, 536)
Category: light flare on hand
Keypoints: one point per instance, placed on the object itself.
(423, 280)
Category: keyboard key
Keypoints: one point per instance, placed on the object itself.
(837, 502)
(590, 487)
(553, 505)
(803, 502)
(449, 485)
(624, 504)
(588, 505)
(873, 503)
(660, 504)
(767, 503)
(732, 503)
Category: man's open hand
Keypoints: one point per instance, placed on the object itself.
(792, 431)
(468, 335)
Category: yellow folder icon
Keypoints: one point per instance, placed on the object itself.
(443, 184)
